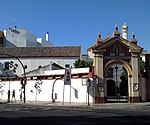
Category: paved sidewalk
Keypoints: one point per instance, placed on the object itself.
(85, 105)
(81, 105)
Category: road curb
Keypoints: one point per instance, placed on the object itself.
(69, 106)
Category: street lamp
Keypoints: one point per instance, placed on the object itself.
(24, 73)
(116, 68)
(52, 95)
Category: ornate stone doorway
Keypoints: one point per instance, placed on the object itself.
(109, 53)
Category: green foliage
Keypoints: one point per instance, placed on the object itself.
(124, 75)
(142, 65)
(82, 63)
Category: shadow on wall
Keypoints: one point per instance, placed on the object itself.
(8, 44)
(96, 84)
(75, 92)
(91, 88)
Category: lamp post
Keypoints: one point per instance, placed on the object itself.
(116, 67)
(24, 73)
(52, 95)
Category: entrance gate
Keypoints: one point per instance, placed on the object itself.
(117, 84)
(117, 51)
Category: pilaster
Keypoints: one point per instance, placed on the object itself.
(134, 94)
(100, 97)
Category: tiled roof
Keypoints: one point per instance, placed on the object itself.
(22, 52)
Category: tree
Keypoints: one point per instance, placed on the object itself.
(142, 66)
(79, 63)
(124, 75)
(82, 64)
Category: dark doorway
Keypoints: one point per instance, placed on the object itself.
(123, 89)
(111, 88)
(117, 85)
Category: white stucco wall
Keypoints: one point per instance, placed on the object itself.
(30, 39)
(78, 90)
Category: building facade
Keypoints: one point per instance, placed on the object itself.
(117, 73)
(35, 57)
(14, 37)
(117, 68)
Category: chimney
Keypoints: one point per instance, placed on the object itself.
(47, 36)
(15, 27)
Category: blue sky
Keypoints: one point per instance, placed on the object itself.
(77, 22)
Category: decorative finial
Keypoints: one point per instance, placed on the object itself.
(99, 35)
(133, 39)
(99, 40)
(116, 27)
(133, 35)
(116, 33)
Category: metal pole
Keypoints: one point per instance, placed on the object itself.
(70, 93)
(63, 93)
(88, 96)
(116, 82)
(88, 90)
(53, 89)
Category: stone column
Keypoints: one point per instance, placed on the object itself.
(99, 71)
(134, 95)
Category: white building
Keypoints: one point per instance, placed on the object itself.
(23, 38)
(35, 57)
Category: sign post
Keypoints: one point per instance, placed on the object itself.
(88, 87)
(67, 79)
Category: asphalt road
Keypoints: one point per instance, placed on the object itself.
(25, 114)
